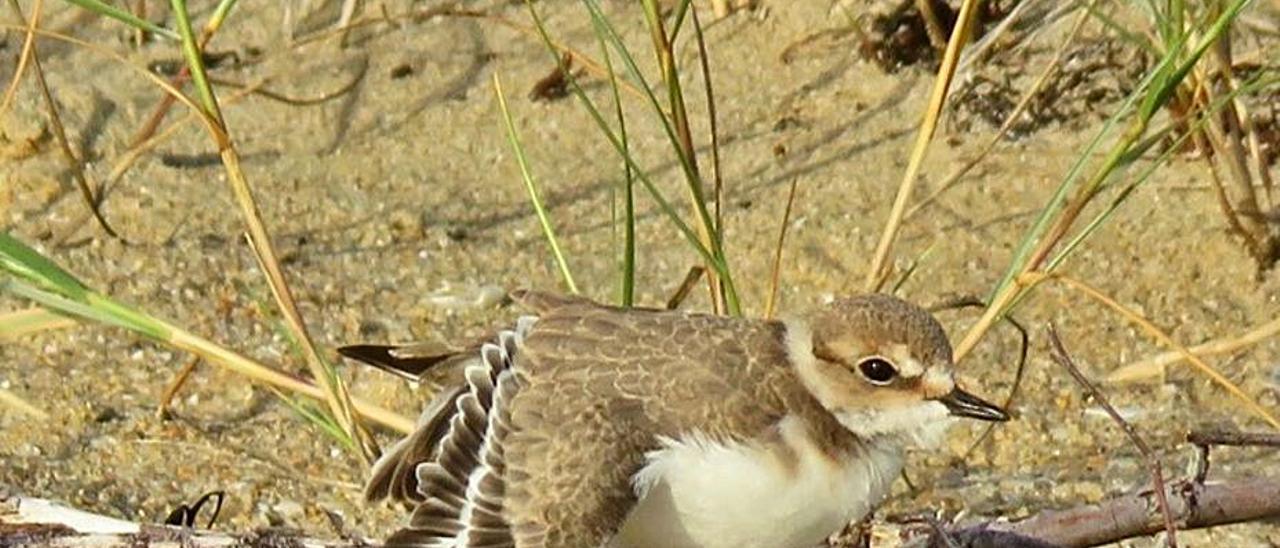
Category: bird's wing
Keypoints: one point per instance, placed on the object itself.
(539, 446)
(459, 477)
(539, 303)
(394, 475)
(600, 388)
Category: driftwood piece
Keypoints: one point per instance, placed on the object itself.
(1192, 505)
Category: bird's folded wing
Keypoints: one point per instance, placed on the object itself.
(602, 387)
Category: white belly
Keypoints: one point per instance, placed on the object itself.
(699, 493)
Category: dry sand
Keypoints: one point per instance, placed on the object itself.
(404, 190)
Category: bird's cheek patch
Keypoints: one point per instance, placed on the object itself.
(922, 424)
(937, 382)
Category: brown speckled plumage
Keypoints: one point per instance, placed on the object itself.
(590, 389)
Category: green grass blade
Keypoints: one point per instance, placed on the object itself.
(677, 20)
(57, 289)
(320, 419)
(220, 13)
(23, 261)
(1215, 32)
(1121, 30)
(108, 10)
(100, 309)
(687, 163)
(678, 144)
(627, 282)
(1256, 84)
(547, 230)
(1029, 240)
(191, 52)
(663, 204)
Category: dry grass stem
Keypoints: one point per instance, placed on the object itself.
(11, 400)
(880, 262)
(1031, 279)
(664, 50)
(775, 278)
(1156, 365)
(720, 8)
(1230, 144)
(686, 285)
(997, 36)
(166, 102)
(240, 364)
(1027, 97)
(28, 46)
(344, 18)
(331, 384)
(717, 178)
(74, 164)
(32, 320)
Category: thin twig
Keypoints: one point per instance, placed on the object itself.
(162, 409)
(695, 273)
(59, 131)
(1128, 516)
(1234, 439)
(775, 279)
(1061, 356)
(940, 532)
(1204, 439)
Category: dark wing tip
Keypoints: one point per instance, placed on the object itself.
(384, 357)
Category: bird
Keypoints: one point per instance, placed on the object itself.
(586, 425)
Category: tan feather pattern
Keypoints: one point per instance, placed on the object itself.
(540, 446)
(460, 488)
(395, 475)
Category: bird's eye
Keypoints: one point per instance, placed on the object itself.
(878, 370)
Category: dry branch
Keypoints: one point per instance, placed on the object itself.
(1061, 356)
(1194, 506)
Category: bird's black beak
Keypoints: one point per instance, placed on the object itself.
(964, 404)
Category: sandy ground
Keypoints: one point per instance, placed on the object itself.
(385, 199)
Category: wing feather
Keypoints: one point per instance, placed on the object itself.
(460, 484)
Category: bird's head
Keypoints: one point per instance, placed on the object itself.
(882, 367)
